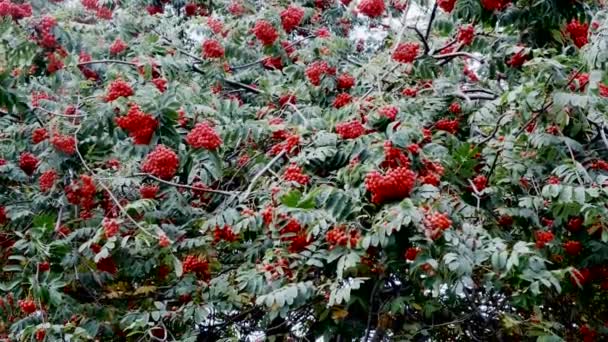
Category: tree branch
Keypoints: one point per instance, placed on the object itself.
(259, 174)
(430, 25)
(222, 192)
(458, 54)
(422, 39)
(108, 61)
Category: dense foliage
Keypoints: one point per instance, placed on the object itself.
(230, 169)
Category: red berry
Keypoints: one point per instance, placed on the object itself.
(389, 112)
(27, 306)
(110, 227)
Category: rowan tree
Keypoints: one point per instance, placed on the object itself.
(347, 170)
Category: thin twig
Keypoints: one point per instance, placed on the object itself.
(493, 134)
(458, 54)
(177, 185)
(259, 174)
(422, 39)
(430, 25)
(107, 61)
(57, 114)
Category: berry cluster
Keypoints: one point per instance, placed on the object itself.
(412, 252)
(293, 173)
(573, 248)
(350, 130)
(140, 125)
(37, 96)
(296, 235)
(578, 81)
(431, 173)
(323, 32)
(265, 32)
(162, 162)
(543, 237)
(465, 34)
(345, 81)
(215, 25)
(236, 8)
(39, 135)
(371, 8)
(47, 180)
(148, 191)
(518, 59)
(495, 5)
(480, 182)
(389, 112)
(110, 227)
(163, 240)
(316, 70)
(291, 17)
(86, 71)
(339, 236)
(394, 157)
(406, 52)
(455, 108)
(54, 64)
(603, 90)
(44, 29)
(224, 234)
(82, 193)
(435, 224)
(197, 265)
(446, 5)
(28, 306)
(155, 9)
(396, 184)
(117, 46)
(578, 32)
(14, 10)
(64, 143)
(267, 214)
(28, 163)
(212, 49)
(286, 99)
(410, 92)
(342, 100)
(278, 269)
(290, 144)
(272, 63)
(450, 126)
(118, 88)
(204, 136)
